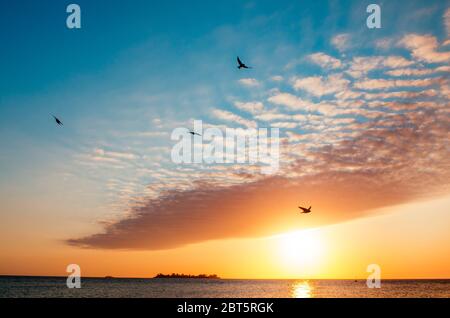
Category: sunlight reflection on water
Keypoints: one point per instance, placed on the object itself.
(37, 287)
(301, 290)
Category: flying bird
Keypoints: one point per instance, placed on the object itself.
(241, 65)
(194, 133)
(305, 210)
(58, 121)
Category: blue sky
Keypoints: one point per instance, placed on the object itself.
(137, 70)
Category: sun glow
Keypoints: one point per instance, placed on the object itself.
(301, 249)
(301, 290)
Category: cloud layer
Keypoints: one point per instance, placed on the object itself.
(371, 132)
(389, 161)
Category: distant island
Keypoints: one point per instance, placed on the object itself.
(173, 275)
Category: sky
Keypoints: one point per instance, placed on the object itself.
(363, 122)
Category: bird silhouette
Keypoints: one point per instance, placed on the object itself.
(305, 210)
(194, 133)
(58, 122)
(241, 65)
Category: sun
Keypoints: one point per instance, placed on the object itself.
(301, 248)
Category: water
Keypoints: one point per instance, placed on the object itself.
(192, 288)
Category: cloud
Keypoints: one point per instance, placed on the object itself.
(396, 61)
(277, 78)
(230, 117)
(360, 66)
(445, 89)
(341, 41)
(325, 61)
(284, 124)
(290, 101)
(410, 72)
(447, 26)
(272, 115)
(424, 48)
(383, 164)
(250, 107)
(384, 43)
(401, 95)
(418, 72)
(320, 86)
(250, 82)
(111, 157)
(375, 84)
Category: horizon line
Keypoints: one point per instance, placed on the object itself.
(219, 278)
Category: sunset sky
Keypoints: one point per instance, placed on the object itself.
(364, 125)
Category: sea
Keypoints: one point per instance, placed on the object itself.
(55, 287)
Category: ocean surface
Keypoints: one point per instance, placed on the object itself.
(15, 286)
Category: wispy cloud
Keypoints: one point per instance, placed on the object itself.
(361, 66)
(425, 48)
(325, 61)
(233, 118)
(374, 84)
(277, 78)
(290, 101)
(250, 107)
(320, 86)
(341, 41)
(370, 169)
(250, 82)
(384, 43)
(418, 72)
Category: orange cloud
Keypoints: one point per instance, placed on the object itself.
(325, 61)
(390, 160)
(424, 48)
(360, 66)
(375, 84)
(320, 86)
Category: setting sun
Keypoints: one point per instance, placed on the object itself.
(301, 248)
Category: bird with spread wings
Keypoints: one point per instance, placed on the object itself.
(241, 64)
(305, 210)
